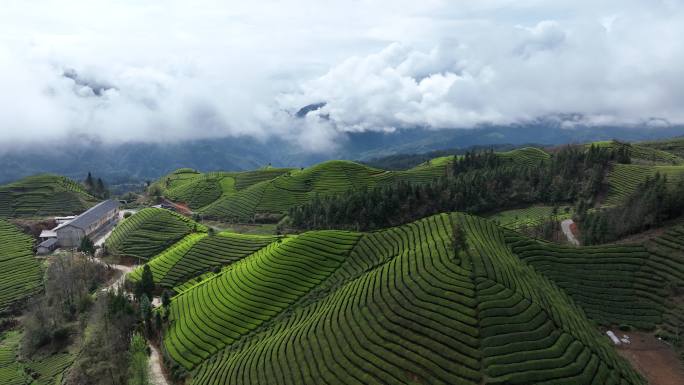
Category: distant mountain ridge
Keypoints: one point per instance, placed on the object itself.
(136, 162)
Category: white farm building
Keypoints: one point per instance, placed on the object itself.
(91, 222)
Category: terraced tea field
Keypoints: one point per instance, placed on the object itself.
(198, 253)
(397, 306)
(43, 195)
(276, 196)
(529, 216)
(665, 263)
(528, 156)
(20, 272)
(614, 284)
(243, 196)
(11, 372)
(673, 146)
(50, 370)
(251, 292)
(644, 154)
(624, 179)
(198, 190)
(149, 232)
(47, 371)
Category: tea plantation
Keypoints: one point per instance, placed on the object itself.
(276, 196)
(46, 371)
(529, 216)
(149, 232)
(198, 190)
(20, 273)
(43, 195)
(528, 156)
(643, 154)
(624, 179)
(398, 306)
(198, 253)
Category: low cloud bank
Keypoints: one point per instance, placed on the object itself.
(125, 71)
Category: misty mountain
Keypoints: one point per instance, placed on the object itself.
(135, 162)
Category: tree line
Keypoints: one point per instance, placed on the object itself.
(479, 182)
(653, 202)
(96, 187)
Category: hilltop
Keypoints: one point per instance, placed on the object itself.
(43, 195)
(476, 303)
(269, 193)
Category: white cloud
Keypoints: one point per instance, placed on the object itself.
(170, 70)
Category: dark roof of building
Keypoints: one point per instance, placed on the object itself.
(91, 216)
(48, 243)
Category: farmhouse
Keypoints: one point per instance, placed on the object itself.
(47, 246)
(97, 218)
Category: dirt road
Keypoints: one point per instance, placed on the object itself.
(566, 225)
(654, 359)
(156, 373)
(155, 362)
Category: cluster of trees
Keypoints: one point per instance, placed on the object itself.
(653, 202)
(54, 317)
(110, 328)
(103, 359)
(96, 187)
(481, 182)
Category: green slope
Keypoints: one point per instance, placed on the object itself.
(198, 253)
(276, 196)
(673, 146)
(20, 272)
(397, 306)
(225, 196)
(149, 232)
(198, 190)
(11, 371)
(528, 156)
(644, 154)
(530, 216)
(43, 195)
(614, 284)
(624, 179)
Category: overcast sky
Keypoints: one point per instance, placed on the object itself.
(164, 70)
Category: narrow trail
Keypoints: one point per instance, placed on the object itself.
(155, 363)
(156, 373)
(119, 281)
(566, 226)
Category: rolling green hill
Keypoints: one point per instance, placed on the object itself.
(20, 272)
(149, 232)
(643, 154)
(198, 190)
(43, 195)
(11, 371)
(674, 146)
(198, 253)
(624, 179)
(530, 216)
(46, 371)
(228, 196)
(528, 156)
(399, 306)
(276, 196)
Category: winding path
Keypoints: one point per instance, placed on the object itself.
(156, 371)
(566, 225)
